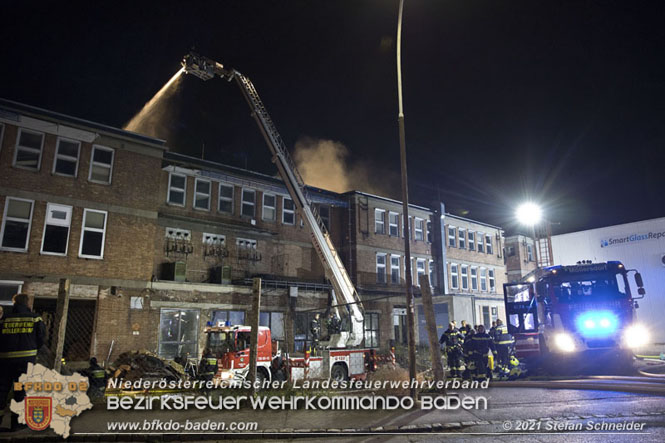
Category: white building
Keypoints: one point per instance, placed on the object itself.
(639, 245)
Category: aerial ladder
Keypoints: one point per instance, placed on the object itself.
(344, 290)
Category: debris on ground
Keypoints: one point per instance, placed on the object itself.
(146, 365)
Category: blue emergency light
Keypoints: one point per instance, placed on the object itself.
(597, 323)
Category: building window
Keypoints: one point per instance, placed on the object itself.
(226, 198)
(380, 268)
(56, 229)
(379, 221)
(16, 224)
(481, 247)
(483, 279)
(274, 321)
(510, 251)
(454, 276)
(202, 194)
(324, 215)
(431, 273)
(178, 333)
(465, 277)
(474, 278)
(420, 269)
(177, 189)
(101, 165)
(9, 288)
(28, 153)
(371, 325)
(248, 199)
(288, 211)
(394, 269)
(66, 159)
(429, 231)
(472, 241)
(529, 252)
(393, 222)
(490, 274)
(488, 243)
(269, 207)
(94, 232)
(419, 228)
(461, 235)
(452, 238)
(228, 317)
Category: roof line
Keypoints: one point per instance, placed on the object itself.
(86, 124)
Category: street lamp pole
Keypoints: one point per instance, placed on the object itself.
(410, 311)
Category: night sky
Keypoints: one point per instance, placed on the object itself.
(560, 102)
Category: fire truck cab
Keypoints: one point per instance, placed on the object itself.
(570, 310)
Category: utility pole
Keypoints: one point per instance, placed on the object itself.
(430, 318)
(254, 340)
(61, 311)
(410, 312)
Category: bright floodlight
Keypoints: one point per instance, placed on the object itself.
(529, 214)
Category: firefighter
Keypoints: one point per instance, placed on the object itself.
(315, 331)
(503, 342)
(515, 368)
(97, 379)
(21, 335)
(333, 324)
(451, 339)
(493, 329)
(467, 348)
(207, 367)
(482, 344)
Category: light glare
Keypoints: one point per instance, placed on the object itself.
(529, 214)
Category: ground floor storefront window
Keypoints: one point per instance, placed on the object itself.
(178, 333)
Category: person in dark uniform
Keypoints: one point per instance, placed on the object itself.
(208, 367)
(469, 356)
(97, 379)
(21, 335)
(334, 324)
(451, 339)
(315, 331)
(482, 344)
(503, 341)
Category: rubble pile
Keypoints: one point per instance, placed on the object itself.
(147, 366)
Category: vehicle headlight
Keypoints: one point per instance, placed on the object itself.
(226, 375)
(636, 336)
(564, 342)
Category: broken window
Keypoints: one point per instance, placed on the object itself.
(56, 229)
(178, 333)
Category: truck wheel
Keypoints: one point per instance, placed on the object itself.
(338, 373)
(260, 376)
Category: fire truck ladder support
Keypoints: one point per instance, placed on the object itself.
(345, 292)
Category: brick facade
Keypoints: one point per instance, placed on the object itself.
(152, 223)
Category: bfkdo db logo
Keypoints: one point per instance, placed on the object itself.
(38, 412)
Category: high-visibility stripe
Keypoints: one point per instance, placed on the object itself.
(22, 319)
(18, 354)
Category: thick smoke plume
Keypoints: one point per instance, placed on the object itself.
(154, 118)
(325, 164)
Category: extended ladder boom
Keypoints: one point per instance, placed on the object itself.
(205, 69)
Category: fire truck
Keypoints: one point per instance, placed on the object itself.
(342, 359)
(587, 309)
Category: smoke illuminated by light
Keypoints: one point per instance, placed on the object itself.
(150, 118)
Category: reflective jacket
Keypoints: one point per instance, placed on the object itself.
(21, 334)
(208, 366)
(451, 338)
(502, 337)
(482, 343)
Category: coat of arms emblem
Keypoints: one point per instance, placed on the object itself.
(38, 412)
